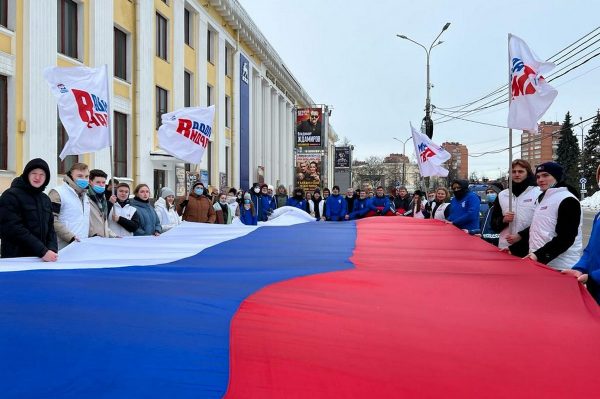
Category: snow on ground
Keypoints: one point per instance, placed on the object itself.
(592, 202)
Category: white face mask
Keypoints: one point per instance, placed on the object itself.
(257, 190)
(230, 199)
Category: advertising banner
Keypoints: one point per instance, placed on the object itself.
(308, 127)
(342, 157)
(308, 171)
(244, 123)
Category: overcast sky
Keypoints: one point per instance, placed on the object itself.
(345, 53)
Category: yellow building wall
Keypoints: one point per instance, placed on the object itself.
(163, 70)
(5, 43)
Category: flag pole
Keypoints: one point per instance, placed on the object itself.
(110, 132)
(510, 137)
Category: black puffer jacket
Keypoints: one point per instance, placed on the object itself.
(26, 220)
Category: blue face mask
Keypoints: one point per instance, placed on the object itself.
(82, 183)
(198, 191)
(246, 201)
(98, 189)
(491, 197)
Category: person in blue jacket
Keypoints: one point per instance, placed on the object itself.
(380, 203)
(298, 200)
(247, 212)
(266, 203)
(254, 194)
(487, 231)
(587, 268)
(464, 207)
(336, 206)
(360, 207)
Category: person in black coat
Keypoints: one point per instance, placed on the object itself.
(26, 220)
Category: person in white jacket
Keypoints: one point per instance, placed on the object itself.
(165, 209)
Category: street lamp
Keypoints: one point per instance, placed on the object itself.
(403, 158)
(427, 125)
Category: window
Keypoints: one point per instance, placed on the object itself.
(3, 122)
(228, 61)
(67, 28)
(70, 160)
(4, 13)
(120, 54)
(227, 111)
(161, 104)
(120, 145)
(210, 47)
(161, 36)
(187, 89)
(188, 27)
(209, 96)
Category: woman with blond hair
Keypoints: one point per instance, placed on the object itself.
(439, 208)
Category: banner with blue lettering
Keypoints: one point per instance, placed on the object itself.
(82, 97)
(244, 123)
(185, 133)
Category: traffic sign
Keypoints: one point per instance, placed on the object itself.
(584, 191)
(583, 180)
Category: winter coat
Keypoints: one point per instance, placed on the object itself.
(266, 205)
(98, 216)
(402, 205)
(223, 217)
(247, 217)
(360, 209)
(26, 220)
(381, 204)
(464, 212)
(555, 231)
(128, 222)
(590, 261)
(168, 217)
(197, 209)
(336, 208)
(71, 208)
(487, 231)
(523, 206)
(317, 212)
(149, 222)
(281, 200)
(439, 210)
(300, 204)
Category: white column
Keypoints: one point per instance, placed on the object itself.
(201, 61)
(178, 55)
(290, 138)
(282, 139)
(266, 128)
(274, 167)
(39, 106)
(220, 103)
(102, 27)
(145, 91)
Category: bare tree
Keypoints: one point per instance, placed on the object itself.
(372, 172)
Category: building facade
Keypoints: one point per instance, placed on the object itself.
(162, 55)
(458, 164)
(539, 147)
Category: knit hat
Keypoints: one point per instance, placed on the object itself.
(270, 187)
(165, 192)
(247, 196)
(552, 168)
(496, 187)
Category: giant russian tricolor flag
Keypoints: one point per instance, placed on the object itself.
(385, 307)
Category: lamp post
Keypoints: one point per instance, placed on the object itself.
(582, 163)
(403, 158)
(427, 125)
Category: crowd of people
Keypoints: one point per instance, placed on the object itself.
(539, 218)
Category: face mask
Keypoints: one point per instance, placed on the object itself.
(298, 195)
(223, 202)
(98, 189)
(198, 191)
(491, 197)
(257, 190)
(82, 183)
(247, 202)
(231, 199)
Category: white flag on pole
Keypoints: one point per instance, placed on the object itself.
(82, 96)
(430, 156)
(531, 96)
(185, 133)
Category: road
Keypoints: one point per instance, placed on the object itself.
(588, 218)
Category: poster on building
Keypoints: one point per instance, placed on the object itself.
(180, 182)
(204, 177)
(308, 127)
(342, 157)
(308, 171)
